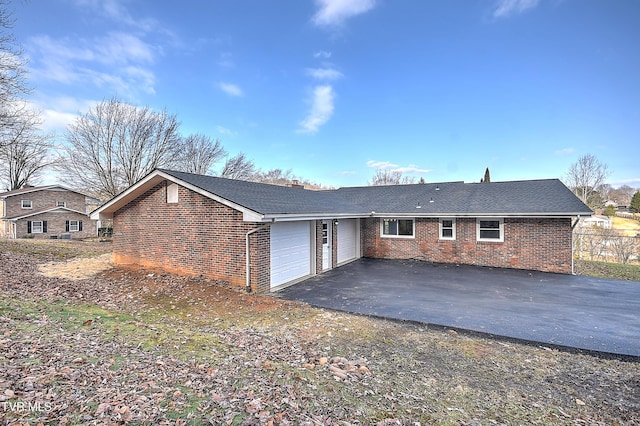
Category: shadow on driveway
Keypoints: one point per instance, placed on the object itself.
(556, 309)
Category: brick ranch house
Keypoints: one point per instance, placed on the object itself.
(45, 212)
(264, 237)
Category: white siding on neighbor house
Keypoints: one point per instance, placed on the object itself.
(290, 251)
(348, 246)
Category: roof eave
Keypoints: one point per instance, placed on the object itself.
(45, 211)
(157, 176)
(480, 214)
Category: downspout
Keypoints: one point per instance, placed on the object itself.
(572, 228)
(248, 270)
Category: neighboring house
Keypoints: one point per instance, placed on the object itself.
(41, 212)
(596, 221)
(266, 236)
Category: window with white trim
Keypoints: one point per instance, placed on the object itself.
(397, 228)
(26, 204)
(61, 204)
(36, 227)
(447, 229)
(74, 226)
(490, 229)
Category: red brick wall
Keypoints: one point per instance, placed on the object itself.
(196, 236)
(534, 244)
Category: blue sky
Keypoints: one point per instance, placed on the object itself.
(334, 89)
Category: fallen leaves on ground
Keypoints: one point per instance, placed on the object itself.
(126, 346)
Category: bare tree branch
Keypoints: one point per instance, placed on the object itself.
(585, 176)
(198, 154)
(238, 167)
(115, 144)
(24, 150)
(13, 73)
(390, 177)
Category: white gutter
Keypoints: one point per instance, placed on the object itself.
(248, 268)
(573, 272)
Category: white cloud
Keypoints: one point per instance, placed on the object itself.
(633, 182)
(411, 168)
(335, 12)
(564, 151)
(231, 89)
(322, 54)
(119, 61)
(58, 113)
(118, 47)
(381, 165)
(506, 8)
(224, 131)
(115, 10)
(326, 73)
(321, 109)
(386, 165)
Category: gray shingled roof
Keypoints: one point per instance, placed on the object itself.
(532, 197)
(270, 199)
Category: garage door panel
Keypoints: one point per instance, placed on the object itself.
(290, 251)
(347, 240)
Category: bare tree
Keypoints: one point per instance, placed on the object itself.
(622, 195)
(198, 154)
(624, 247)
(238, 167)
(24, 151)
(115, 144)
(13, 72)
(275, 177)
(390, 177)
(584, 178)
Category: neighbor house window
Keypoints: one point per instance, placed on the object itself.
(73, 225)
(37, 227)
(447, 229)
(402, 228)
(26, 204)
(490, 230)
(61, 204)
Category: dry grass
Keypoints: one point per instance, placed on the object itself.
(77, 269)
(629, 227)
(141, 347)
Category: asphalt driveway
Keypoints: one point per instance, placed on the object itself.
(575, 311)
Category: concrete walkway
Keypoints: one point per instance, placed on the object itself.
(575, 311)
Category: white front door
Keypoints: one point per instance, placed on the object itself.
(326, 245)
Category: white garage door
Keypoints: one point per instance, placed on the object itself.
(290, 251)
(347, 240)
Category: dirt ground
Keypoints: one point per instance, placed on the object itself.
(83, 342)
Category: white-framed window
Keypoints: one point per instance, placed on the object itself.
(36, 227)
(447, 229)
(74, 226)
(490, 229)
(172, 193)
(26, 204)
(398, 228)
(61, 204)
